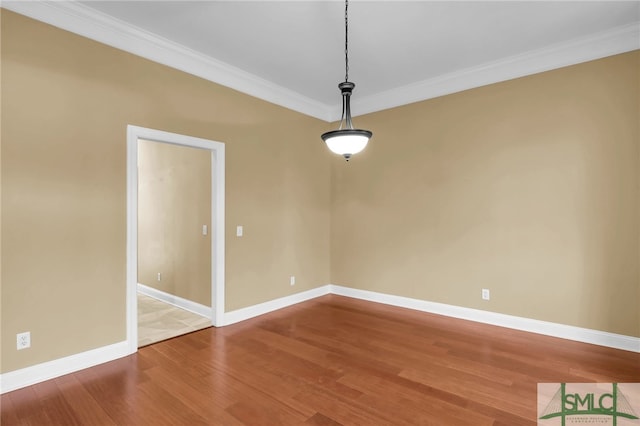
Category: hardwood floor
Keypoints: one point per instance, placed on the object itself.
(329, 361)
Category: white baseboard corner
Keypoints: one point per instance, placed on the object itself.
(17, 379)
(188, 305)
(242, 314)
(28, 376)
(585, 335)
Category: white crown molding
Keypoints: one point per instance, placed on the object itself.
(618, 40)
(87, 22)
(187, 305)
(95, 25)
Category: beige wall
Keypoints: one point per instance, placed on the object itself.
(66, 102)
(174, 202)
(1, 258)
(529, 188)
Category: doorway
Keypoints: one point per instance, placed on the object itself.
(174, 247)
(136, 137)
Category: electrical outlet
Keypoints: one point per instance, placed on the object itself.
(159, 276)
(486, 295)
(23, 340)
(292, 280)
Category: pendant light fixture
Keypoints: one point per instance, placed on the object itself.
(346, 141)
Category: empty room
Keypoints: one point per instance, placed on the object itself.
(320, 212)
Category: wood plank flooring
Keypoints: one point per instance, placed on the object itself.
(328, 361)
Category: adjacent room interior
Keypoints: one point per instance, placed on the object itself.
(174, 243)
(485, 241)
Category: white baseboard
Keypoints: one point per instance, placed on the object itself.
(196, 308)
(273, 305)
(596, 337)
(48, 370)
(59, 367)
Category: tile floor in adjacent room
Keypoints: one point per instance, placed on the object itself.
(158, 321)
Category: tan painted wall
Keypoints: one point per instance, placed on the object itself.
(66, 102)
(0, 186)
(529, 188)
(174, 202)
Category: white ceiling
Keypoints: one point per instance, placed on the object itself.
(292, 52)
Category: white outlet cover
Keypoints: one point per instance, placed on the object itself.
(239, 231)
(23, 340)
(486, 294)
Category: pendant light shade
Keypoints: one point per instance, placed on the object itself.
(346, 141)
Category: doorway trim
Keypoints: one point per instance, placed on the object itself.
(134, 133)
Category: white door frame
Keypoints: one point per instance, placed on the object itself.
(134, 133)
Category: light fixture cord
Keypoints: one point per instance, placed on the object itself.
(346, 41)
(346, 58)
